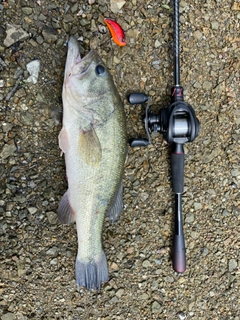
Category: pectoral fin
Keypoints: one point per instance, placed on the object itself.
(116, 207)
(63, 140)
(89, 147)
(65, 212)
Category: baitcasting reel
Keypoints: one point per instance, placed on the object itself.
(178, 124)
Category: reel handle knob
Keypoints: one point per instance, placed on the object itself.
(139, 142)
(137, 98)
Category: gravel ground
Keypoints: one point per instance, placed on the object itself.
(37, 253)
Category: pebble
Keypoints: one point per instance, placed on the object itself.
(8, 316)
(197, 206)
(7, 151)
(207, 85)
(116, 5)
(205, 251)
(52, 251)
(146, 264)
(232, 265)
(182, 316)
(52, 217)
(49, 34)
(14, 33)
(32, 210)
(27, 10)
(33, 68)
(54, 262)
(213, 154)
(189, 217)
(157, 44)
(156, 307)
(235, 6)
(144, 196)
(119, 293)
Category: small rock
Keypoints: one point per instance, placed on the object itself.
(236, 6)
(207, 85)
(194, 234)
(189, 217)
(144, 296)
(116, 60)
(170, 279)
(7, 127)
(32, 210)
(182, 315)
(225, 213)
(232, 264)
(119, 293)
(157, 44)
(116, 5)
(197, 206)
(235, 172)
(54, 262)
(8, 316)
(49, 34)
(27, 118)
(21, 268)
(158, 261)
(39, 39)
(205, 251)
(7, 151)
(215, 25)
(215, 152)
(27, 10)
(156, 307)
(33, 68)
(146, 264)
(198, 34)
(14, 34)
(144, 196)
(52, 217)
(52, 251)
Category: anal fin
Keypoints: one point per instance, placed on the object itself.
(116, 207)
(65, 212)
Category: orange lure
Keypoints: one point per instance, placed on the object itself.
(116, 31)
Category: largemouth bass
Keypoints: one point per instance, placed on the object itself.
(93, 140)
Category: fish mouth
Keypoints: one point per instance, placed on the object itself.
(75, 62)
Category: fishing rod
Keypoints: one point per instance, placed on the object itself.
(178, 124)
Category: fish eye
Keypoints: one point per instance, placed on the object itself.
(100, 70)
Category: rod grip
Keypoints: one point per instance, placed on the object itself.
(177, 166)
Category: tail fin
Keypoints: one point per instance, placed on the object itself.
(91, 274)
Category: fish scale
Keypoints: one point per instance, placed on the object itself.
(93, 140)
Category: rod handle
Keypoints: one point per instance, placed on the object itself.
(179, 253)
(177, 167)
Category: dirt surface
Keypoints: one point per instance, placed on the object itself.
(37, 253)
